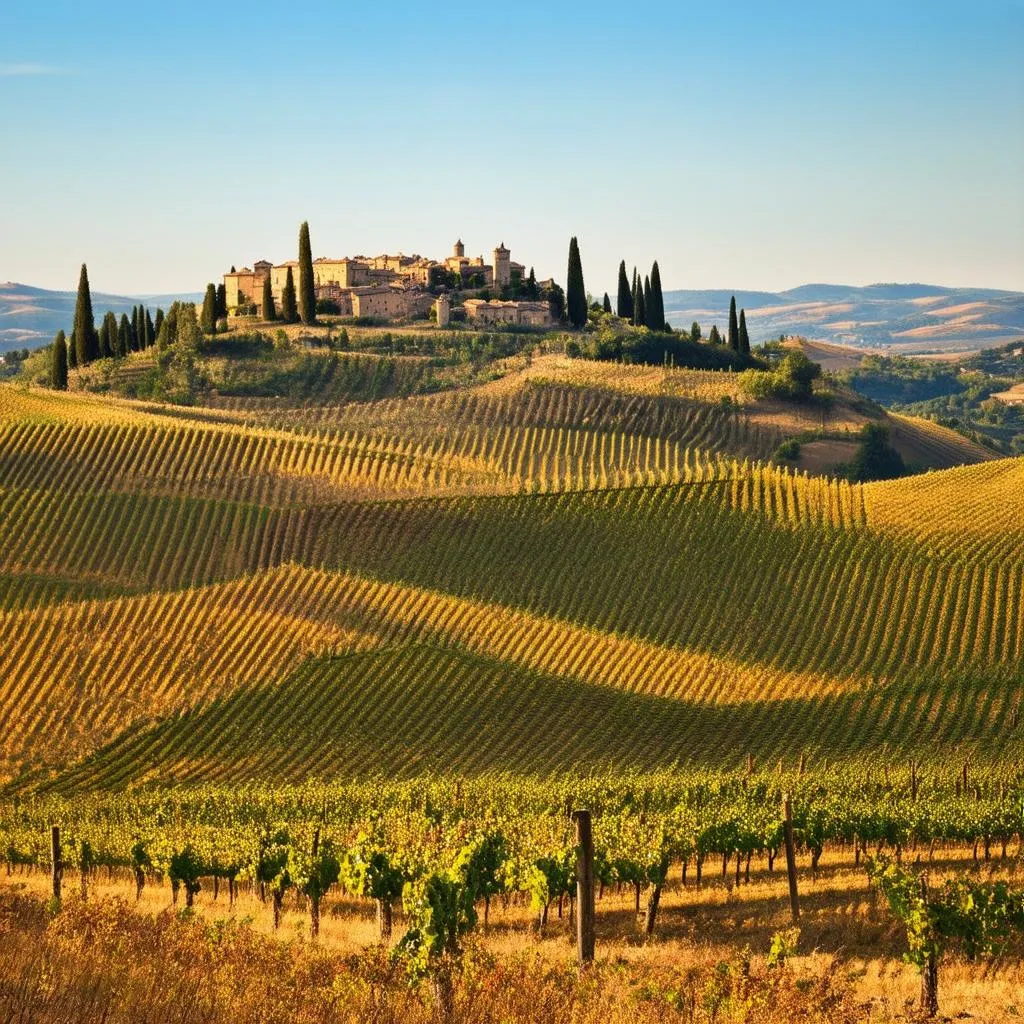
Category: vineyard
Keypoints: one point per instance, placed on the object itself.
(594, 552)
(336, 653)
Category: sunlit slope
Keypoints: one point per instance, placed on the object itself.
(569, 537)
(754, 593)
(966, 513)
(414, 709)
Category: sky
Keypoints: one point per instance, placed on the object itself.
(742, 145)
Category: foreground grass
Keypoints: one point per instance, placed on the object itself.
(100, 960)
(108, 958)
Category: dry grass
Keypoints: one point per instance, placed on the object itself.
(227, 961)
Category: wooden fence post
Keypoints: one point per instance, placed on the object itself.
(929, 969)
(584, 887)
(787, 830)
(56, 866)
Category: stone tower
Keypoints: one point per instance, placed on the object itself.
(458, 249)
(502, 266)
(444, 310)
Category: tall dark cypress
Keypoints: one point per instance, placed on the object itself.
(157, 324)
(134, 346)
(656, 314)
(733, 338)
(83, 335)
(124, 336)
(222, 300)
(575, 291)
(108, 336)
(208, 320)
(624, 301)
(307, 292)
(647, 302)
(634, 299)
(289, 314)
(59, 363)
(267, 305)
(640, 307)
(150, 330)
(532, 291)
(607, 304)
(744, 337)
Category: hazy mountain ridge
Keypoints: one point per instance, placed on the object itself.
(903, 317)
(31, 316)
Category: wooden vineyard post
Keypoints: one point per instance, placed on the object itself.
(787, 830)
(929, 969)
(584, 888)
(56, 867)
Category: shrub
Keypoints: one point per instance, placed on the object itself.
(876, 459)
(788, 451)
(573, 350)
(792, 379)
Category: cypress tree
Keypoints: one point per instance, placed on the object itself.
(124, 336)
(714, 338)
(531, 285)
(72, 357)
(150, 330)
(157, 324)
(575, 292)
(656, 314)
(106, 348)
(307, 293)
(289, 314)
(744, 337)
(168, 334)
(267, 310)
(59, 363)
(108, 336)
(695, 331)
(83, 335)
(734, 330)
(607, 304)
(208, 320)
(647, 303)
(624, 302)
(134, 346)
(639, 307)
(222, 300)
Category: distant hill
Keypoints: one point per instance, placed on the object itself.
(906, 318)
(30, 316)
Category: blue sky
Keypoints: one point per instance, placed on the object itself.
(742, 145)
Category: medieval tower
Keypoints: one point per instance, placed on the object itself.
(502, 266)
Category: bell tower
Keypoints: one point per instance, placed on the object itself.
(502, 266)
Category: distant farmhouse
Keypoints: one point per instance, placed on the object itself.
(400, 287)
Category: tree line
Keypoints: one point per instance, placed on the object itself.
(641, 303)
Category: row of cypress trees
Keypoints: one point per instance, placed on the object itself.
(642, 302)
(114, 337)
(738, 339)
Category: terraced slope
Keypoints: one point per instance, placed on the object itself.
(590, 578)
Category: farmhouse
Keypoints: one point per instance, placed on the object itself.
(531, 314)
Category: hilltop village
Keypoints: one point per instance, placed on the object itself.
(401, 288)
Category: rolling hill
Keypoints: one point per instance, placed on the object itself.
(30, 317)
(907, 318)
(576, 565)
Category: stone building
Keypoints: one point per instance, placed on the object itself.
(493, 311)
(245, 286)
(384, 287)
